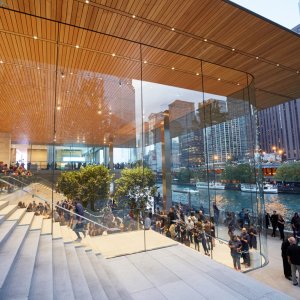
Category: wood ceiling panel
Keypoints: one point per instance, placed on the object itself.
(81, 95)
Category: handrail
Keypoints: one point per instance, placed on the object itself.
(15, 179)
(73, 213)
(2, 180)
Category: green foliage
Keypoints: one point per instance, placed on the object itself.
(68, 184)
(134, 187)
(184, 175)
(94, 184)
(288, 172)
(89, 184)
(243, 173)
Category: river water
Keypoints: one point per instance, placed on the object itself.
(229, 200)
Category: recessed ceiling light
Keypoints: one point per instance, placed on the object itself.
(133, 16)
(232, 49)
(63, 75)
(35, 37)
(1, 61)
(278, 65)
(114, 54)
(87, 1)
(237, 84)
(71, 73)
(257, 57)
(38, 68)
(219, 79)
(58, 107)
(172, 28)
(145, 61)
(205, 40)
(197, 74)
(173, 68)
(297, 72)
(77, 46)
(99, 112)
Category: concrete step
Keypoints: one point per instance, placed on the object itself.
(120, 288)
(56, 231)
(37, 223)
(47, 226)
(80, 287)
(17, 215)
(5, 230)
(27, 219)
(7, 211)
(3, 203)
(107, 283)
(42, 279)
(17, 283)
(62, 285)
(9, 251)
(90, 275)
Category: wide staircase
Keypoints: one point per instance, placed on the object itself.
(38, 260)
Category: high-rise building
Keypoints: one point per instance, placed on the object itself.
(279, 126)
(280, 129)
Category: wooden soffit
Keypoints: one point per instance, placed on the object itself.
(85, 55)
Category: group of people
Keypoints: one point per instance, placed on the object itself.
(16, 169)
(39, 209)
(290, 252)
(277, 221)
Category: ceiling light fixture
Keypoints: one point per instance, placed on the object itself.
(87, 1)
(278, 65)
(35, 37)
(197, 74)
(77, 46)
(173, 29)
(58, 107)
(145, 61)
(232, 49)
(257, 57)
(205, 40)
(219, 79)
(1, 61)
(133, 16)
(297, 72)
(99, 112)
(173, 68)
(114, 54)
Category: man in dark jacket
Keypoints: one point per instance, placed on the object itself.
(293, 253)
(274, 222)
(286, 266)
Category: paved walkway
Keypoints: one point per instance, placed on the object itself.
(272, 274)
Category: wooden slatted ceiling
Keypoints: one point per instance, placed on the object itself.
(18, 48)
(220, 22)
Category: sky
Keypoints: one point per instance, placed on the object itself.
(283, 12)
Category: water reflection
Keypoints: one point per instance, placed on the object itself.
(285, 204)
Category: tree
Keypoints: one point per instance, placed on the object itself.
(68, 184)
(289, 172)
(184, 175)
(94, 184)
(134, 188)
(243, 173)
(89, 184)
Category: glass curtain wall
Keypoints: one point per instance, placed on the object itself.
(128, 106)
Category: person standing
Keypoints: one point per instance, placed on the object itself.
(295, 223)
(286, 266)
(253, 237)
(235, 246)
(216, 213)
(274, 222)
(293, 254)
(281, 223)
(245, 240)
